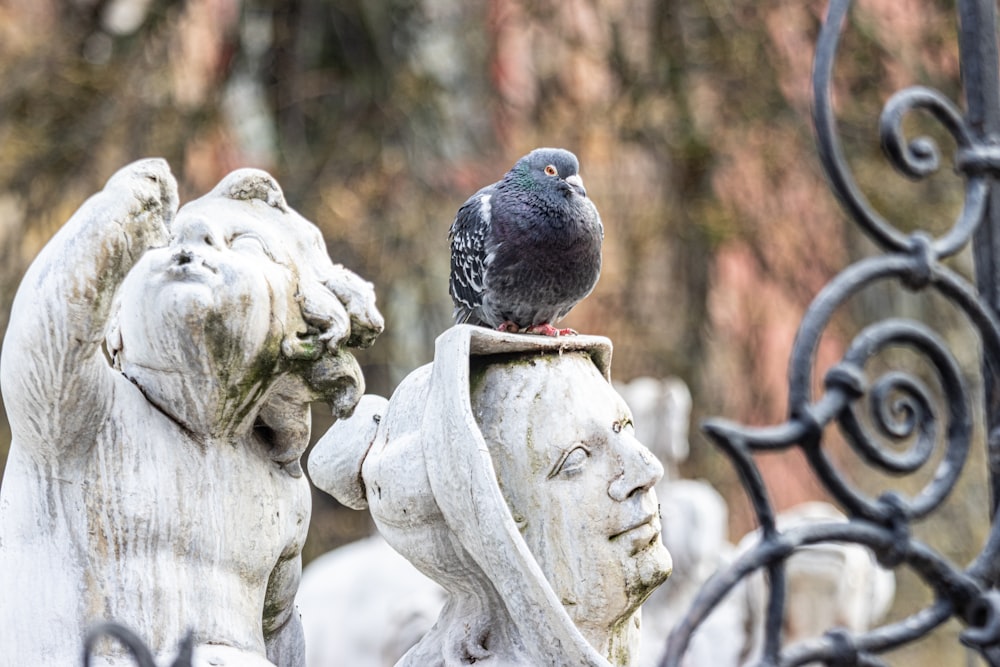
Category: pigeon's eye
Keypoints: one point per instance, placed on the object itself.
(551, 170)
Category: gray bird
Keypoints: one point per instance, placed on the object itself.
(527, 248)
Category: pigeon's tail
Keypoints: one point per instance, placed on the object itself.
(465, 315)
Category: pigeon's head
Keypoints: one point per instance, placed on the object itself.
(551, 169)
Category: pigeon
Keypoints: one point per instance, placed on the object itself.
(527, 248)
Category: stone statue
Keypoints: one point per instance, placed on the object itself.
(829, 584)
(364, 605)
(662, 411)
(697, 534)
(157, 372)
(507, 471)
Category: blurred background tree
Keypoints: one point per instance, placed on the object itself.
(379, 118)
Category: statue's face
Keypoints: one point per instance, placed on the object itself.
(215, 299)
(578, 483)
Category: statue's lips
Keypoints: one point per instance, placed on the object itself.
(641, 533)
(191, 272)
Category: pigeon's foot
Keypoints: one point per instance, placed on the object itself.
(546, 329)
(508, 327)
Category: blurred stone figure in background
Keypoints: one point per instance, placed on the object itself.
(697, 534)
(507, 471)
(828, 584)
(662, 410)
(364, 605)
(155, 481)
(698, 538)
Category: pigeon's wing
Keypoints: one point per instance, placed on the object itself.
(469, 235)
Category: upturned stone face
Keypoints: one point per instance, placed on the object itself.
(578, 483)
(157, 373)
(508, 471)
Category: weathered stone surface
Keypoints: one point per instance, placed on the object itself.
(829, 584)
(156, 482)
(662, 411)
(364, 605)
(507, 471)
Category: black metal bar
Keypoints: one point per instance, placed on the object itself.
(906, 420)
(978, 51)
(135, 646)
(981, 81)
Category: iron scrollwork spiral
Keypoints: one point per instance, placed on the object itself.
(891, 422)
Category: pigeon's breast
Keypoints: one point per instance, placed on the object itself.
(542, 267)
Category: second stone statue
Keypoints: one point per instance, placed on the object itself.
(507, 471)
(157, 372)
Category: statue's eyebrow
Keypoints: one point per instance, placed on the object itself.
(248, 231)
(619, 424)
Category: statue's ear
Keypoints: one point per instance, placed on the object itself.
(326, 322)
(336, 461)
(250, 184)
(301, 347)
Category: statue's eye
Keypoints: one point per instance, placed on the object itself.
(248, 243)
(551, 170)
(572, 462)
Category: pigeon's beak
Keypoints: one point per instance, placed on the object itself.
(577, 184)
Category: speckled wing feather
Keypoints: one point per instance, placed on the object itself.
(468, 236)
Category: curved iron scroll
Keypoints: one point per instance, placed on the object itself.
(133, 644)
(901, 410)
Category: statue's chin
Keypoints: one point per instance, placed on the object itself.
(190, 334)
(173, 392)
(649, 569)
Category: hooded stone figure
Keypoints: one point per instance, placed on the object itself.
(507, 471)
(154, 480)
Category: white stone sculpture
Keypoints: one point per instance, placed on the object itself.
(156, 483)
(507, 471)
(697, 537)
(828, 584)
(697, 534)
(364, 605)
(662, 411)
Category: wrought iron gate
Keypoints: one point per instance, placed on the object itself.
(900, 405)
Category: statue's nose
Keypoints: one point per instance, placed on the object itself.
(183, 256)
(196, 235)
(640, 470)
